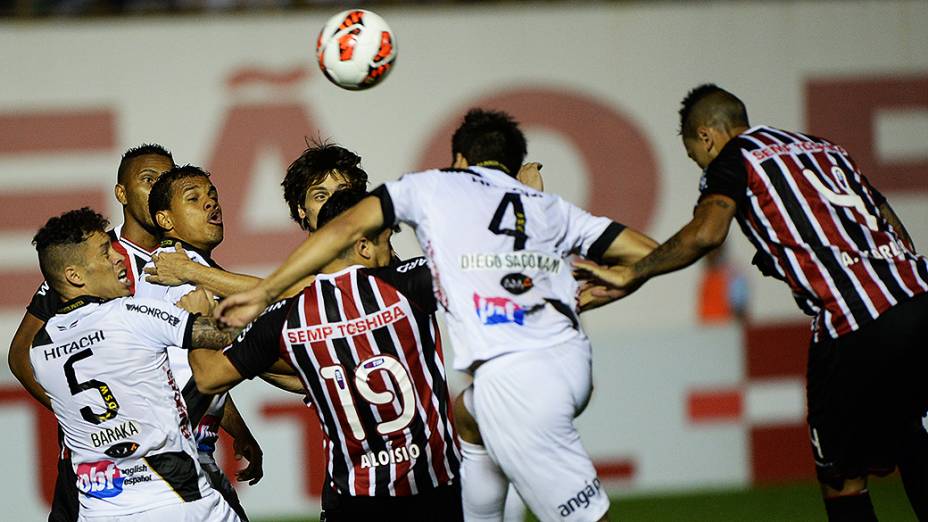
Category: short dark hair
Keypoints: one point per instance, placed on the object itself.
(161, 192)
(54, 242)
(145, 149)
(712, 106)
(315, 163)
(491, 138)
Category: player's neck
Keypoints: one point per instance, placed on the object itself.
(133, 231)
(206, 250)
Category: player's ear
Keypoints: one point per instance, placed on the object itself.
(73, 275)
(164, 220)
(364, 249)
(459, 161)
(120, 192)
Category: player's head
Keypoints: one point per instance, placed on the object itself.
(139, 169)
(489, 139)
(709, 118)
(319, 172)
(185, 205)
(373, 250)
(77, 257)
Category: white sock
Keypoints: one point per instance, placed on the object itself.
(483, 485)
(515, 507)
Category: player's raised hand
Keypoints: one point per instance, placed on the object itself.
(200, 301)
(240, 309)
(171, 268)
(530, 174)
(614, 277)
(247, 447)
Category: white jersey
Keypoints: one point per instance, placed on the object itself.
(498, 253)
(104, 367)
(207, 430)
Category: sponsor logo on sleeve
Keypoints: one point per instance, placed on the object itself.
(415, 263)
(99, 479)
(517, 283)
(157, 313)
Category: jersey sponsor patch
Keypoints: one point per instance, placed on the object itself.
(516, 283)
(157, 313)
(348, 328)
(100, 479)
(512, 261)
(499, 310)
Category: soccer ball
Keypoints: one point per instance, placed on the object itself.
(356, 49)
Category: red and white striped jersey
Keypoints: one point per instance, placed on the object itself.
(815, 221)
(367, 349)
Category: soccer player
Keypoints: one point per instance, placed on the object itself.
(819, 226)
(320, 171)
(102, 362)
(364, 341)
(184, 205)
(138, 169)
(497, 252)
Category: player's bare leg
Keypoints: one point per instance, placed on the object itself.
(850, 503)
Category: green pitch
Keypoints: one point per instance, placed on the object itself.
(783, 503)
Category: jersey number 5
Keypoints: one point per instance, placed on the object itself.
(391, 366)
(518, 233)
(112, 406)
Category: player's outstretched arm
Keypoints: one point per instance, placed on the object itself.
(19, 358)
(212, 371)
(176, 268)
(284, 377)
(706, 231)
(208, 334)
(889, 215)
(313, 254)
(243, 443)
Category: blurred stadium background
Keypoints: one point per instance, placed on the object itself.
(699, 403)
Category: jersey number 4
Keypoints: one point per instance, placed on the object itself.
(403, 384)
(112, 406)
(511, 199)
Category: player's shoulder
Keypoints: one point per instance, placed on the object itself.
(137, 307)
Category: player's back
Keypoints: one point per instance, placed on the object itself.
(498, 250)
(816, 223)
(365, 345)
(104, 367)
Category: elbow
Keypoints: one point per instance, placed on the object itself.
(208, 386)
(707, 238)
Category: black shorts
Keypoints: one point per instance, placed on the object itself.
(442, 504)
(867, 393)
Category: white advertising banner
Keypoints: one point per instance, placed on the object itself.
(596, 87)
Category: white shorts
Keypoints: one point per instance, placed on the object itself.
(211, 508)
(525, 403)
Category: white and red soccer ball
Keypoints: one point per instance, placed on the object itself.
(356, 49)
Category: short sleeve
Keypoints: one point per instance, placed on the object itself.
(159, 322)
(589, 235)
(256, 348)
(44, 302)
(727, 174)
(400, 200)
(413, 279)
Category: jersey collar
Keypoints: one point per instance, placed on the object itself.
(78, 302)
(170, 241)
